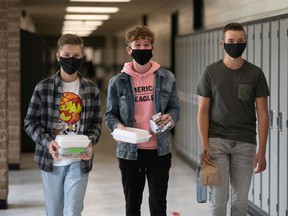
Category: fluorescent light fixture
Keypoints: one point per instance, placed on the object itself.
(115, 1)
(82, 23)
(75, 31)
(92, 9)
(79, 33)
(86, 17)
(85, 28)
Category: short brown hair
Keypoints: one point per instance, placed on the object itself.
(140, 32)
(233, 27)
(70, 39)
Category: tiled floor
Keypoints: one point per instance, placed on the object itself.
(104, 196)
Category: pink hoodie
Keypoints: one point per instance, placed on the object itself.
(144, 100)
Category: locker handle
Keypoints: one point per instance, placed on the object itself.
(271, 118)
(280, 121)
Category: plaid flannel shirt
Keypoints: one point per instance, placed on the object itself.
(41, 121)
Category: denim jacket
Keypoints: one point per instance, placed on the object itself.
(120, 108)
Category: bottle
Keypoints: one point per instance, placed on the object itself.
(201, 189)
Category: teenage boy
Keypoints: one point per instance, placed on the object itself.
(65, 103)
(141, 90)
(230, 93)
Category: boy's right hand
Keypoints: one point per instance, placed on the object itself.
(53, 146)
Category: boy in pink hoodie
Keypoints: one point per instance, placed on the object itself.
(141, 90)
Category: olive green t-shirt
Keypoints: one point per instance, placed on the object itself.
(232, 105)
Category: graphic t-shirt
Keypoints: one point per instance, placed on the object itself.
(69, 114)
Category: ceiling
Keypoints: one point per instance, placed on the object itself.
(48, 15)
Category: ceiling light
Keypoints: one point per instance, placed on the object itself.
(86, 28)
(82, 23)
(76, 31)
(100, 1)
(92, 9)
(86, 17)
(80, 34)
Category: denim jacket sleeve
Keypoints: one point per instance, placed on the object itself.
(166, 95)
(120, 102)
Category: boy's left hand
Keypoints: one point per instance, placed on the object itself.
(87, 155)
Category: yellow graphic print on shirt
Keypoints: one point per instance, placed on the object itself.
(69, 113)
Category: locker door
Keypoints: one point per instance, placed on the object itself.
(244, 55)
(192, 82)
(258, 62)
(211, 47)
(250, 58)
(207, 46)
(179, 72)
(215, 46)
(274, 159)
(265, 67)
(220, 48)
(282, 117)
(197, 62)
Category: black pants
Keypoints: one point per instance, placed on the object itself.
(134, 172)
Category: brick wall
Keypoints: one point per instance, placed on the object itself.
(3, 104)
(13, 77)
(9, 92)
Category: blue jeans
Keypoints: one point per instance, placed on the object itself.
(235, 162)
(64, 190)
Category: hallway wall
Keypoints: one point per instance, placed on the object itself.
(216, 14)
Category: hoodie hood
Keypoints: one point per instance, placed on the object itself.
(128, 69)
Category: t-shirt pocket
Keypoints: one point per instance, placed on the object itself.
(244, 91)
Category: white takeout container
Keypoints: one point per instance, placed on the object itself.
(131, 135)
(72, 141)
(74, 153)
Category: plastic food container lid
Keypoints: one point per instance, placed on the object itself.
(131, 135)
(72, 141)
(73, 153)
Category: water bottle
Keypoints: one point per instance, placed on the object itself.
(201, 189)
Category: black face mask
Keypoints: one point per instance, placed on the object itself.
(70, 65)
(234, 50)
(142, 56)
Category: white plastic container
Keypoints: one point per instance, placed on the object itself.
(131, 135)
(72, 141)
(74, 153)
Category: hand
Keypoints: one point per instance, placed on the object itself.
(205, 157)
(166, 118)
(121, 126)
(53, 146)
(88, 155)
(259, 163)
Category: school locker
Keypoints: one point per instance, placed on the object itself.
(250, 58)
(282, 117)
(265, 187)
(258, 62)
(274, 151)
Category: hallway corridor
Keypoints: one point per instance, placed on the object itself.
(104, 195)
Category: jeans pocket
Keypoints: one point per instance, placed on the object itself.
(244, 91)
